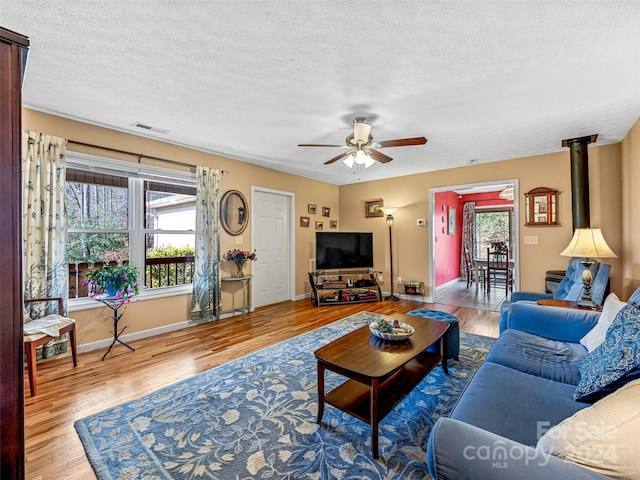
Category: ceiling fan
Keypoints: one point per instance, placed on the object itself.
(362, 148)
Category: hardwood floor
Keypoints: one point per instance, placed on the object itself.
(65, 394)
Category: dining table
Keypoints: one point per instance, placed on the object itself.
(479, 263)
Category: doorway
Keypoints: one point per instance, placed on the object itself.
(272, 236)
(498, 220)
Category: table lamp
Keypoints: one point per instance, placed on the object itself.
(588, 243)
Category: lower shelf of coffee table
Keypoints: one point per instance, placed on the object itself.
(354, 397)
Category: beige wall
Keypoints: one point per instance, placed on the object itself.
(411, 193)
(612, 201)
(631, 211)
(93, 325)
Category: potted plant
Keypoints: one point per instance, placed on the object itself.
(240, 257)
(500, 247)
(113, 281)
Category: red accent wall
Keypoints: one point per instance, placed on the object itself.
(447, 247)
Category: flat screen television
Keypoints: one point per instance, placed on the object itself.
(344, 250)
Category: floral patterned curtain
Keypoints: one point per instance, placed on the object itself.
(44, 225)
(206, 278)
(468, 234)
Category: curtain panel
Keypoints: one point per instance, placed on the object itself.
(206, 278)
(468, 234)
(44, 225)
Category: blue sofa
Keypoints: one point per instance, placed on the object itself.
(525, 386)
(570, 288)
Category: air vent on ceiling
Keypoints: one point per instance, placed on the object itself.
(150, 128)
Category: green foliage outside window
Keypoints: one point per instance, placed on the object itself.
(491, 227)
(170, 272)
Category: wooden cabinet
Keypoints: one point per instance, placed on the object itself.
(13, 51)
(337, 287)
(541, 206)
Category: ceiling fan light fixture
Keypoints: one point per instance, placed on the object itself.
(360, 157)
(349, 160)
(368, 161)
(361, 130)
(507, 194)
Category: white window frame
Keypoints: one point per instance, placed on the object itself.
(83, 161)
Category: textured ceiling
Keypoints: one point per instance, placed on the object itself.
(251, 79)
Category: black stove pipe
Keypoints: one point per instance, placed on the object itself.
(579, 155)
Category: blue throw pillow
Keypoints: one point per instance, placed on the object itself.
(613, 358)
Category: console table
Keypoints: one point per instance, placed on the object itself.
(245, 286)
(115, 303)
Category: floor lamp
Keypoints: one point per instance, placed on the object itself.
(588, 243)
(389, 211)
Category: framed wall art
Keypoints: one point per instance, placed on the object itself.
(304, 222)
(452, 221)
(311, 208)
(319, 225)
(326, 212)
(372, 208)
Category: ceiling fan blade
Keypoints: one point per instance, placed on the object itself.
(381, 157)
(402, 142)
(321, 145)
(336, 158)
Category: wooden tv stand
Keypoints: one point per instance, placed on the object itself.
(339, 287)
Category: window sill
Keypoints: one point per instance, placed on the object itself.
(89, 303)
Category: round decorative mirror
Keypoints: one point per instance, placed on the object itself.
(234, 212)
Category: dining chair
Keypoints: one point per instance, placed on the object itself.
(498, 271)
(471, 270)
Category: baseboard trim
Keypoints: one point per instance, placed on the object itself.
(152, 332)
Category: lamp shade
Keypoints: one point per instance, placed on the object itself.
(588, 243)
(389, 210)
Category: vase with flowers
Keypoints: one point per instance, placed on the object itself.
(113, 281)
(502, 247)
(240, 257)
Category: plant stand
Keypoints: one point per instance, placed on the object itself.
(115, 303)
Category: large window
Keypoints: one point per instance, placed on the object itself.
(492, 225)
(126, 213)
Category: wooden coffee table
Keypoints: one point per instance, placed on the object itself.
(381, 373)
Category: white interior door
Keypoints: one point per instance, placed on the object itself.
(272, 239)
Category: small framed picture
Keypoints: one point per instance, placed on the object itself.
(319, 225)
(304, 222)
(452, 221)
(372, 208)
(326, 212)
(311, 208)
(542, 208)
(333, 224)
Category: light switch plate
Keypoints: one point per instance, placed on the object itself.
(421, 222)
(531, 239)
(239, 240)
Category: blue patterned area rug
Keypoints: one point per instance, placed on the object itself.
(255, 418)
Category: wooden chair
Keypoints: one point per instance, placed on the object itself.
(471, 270)
(34, 340)
(498, 271)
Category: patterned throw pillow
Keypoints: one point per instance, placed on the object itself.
(613, 358)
